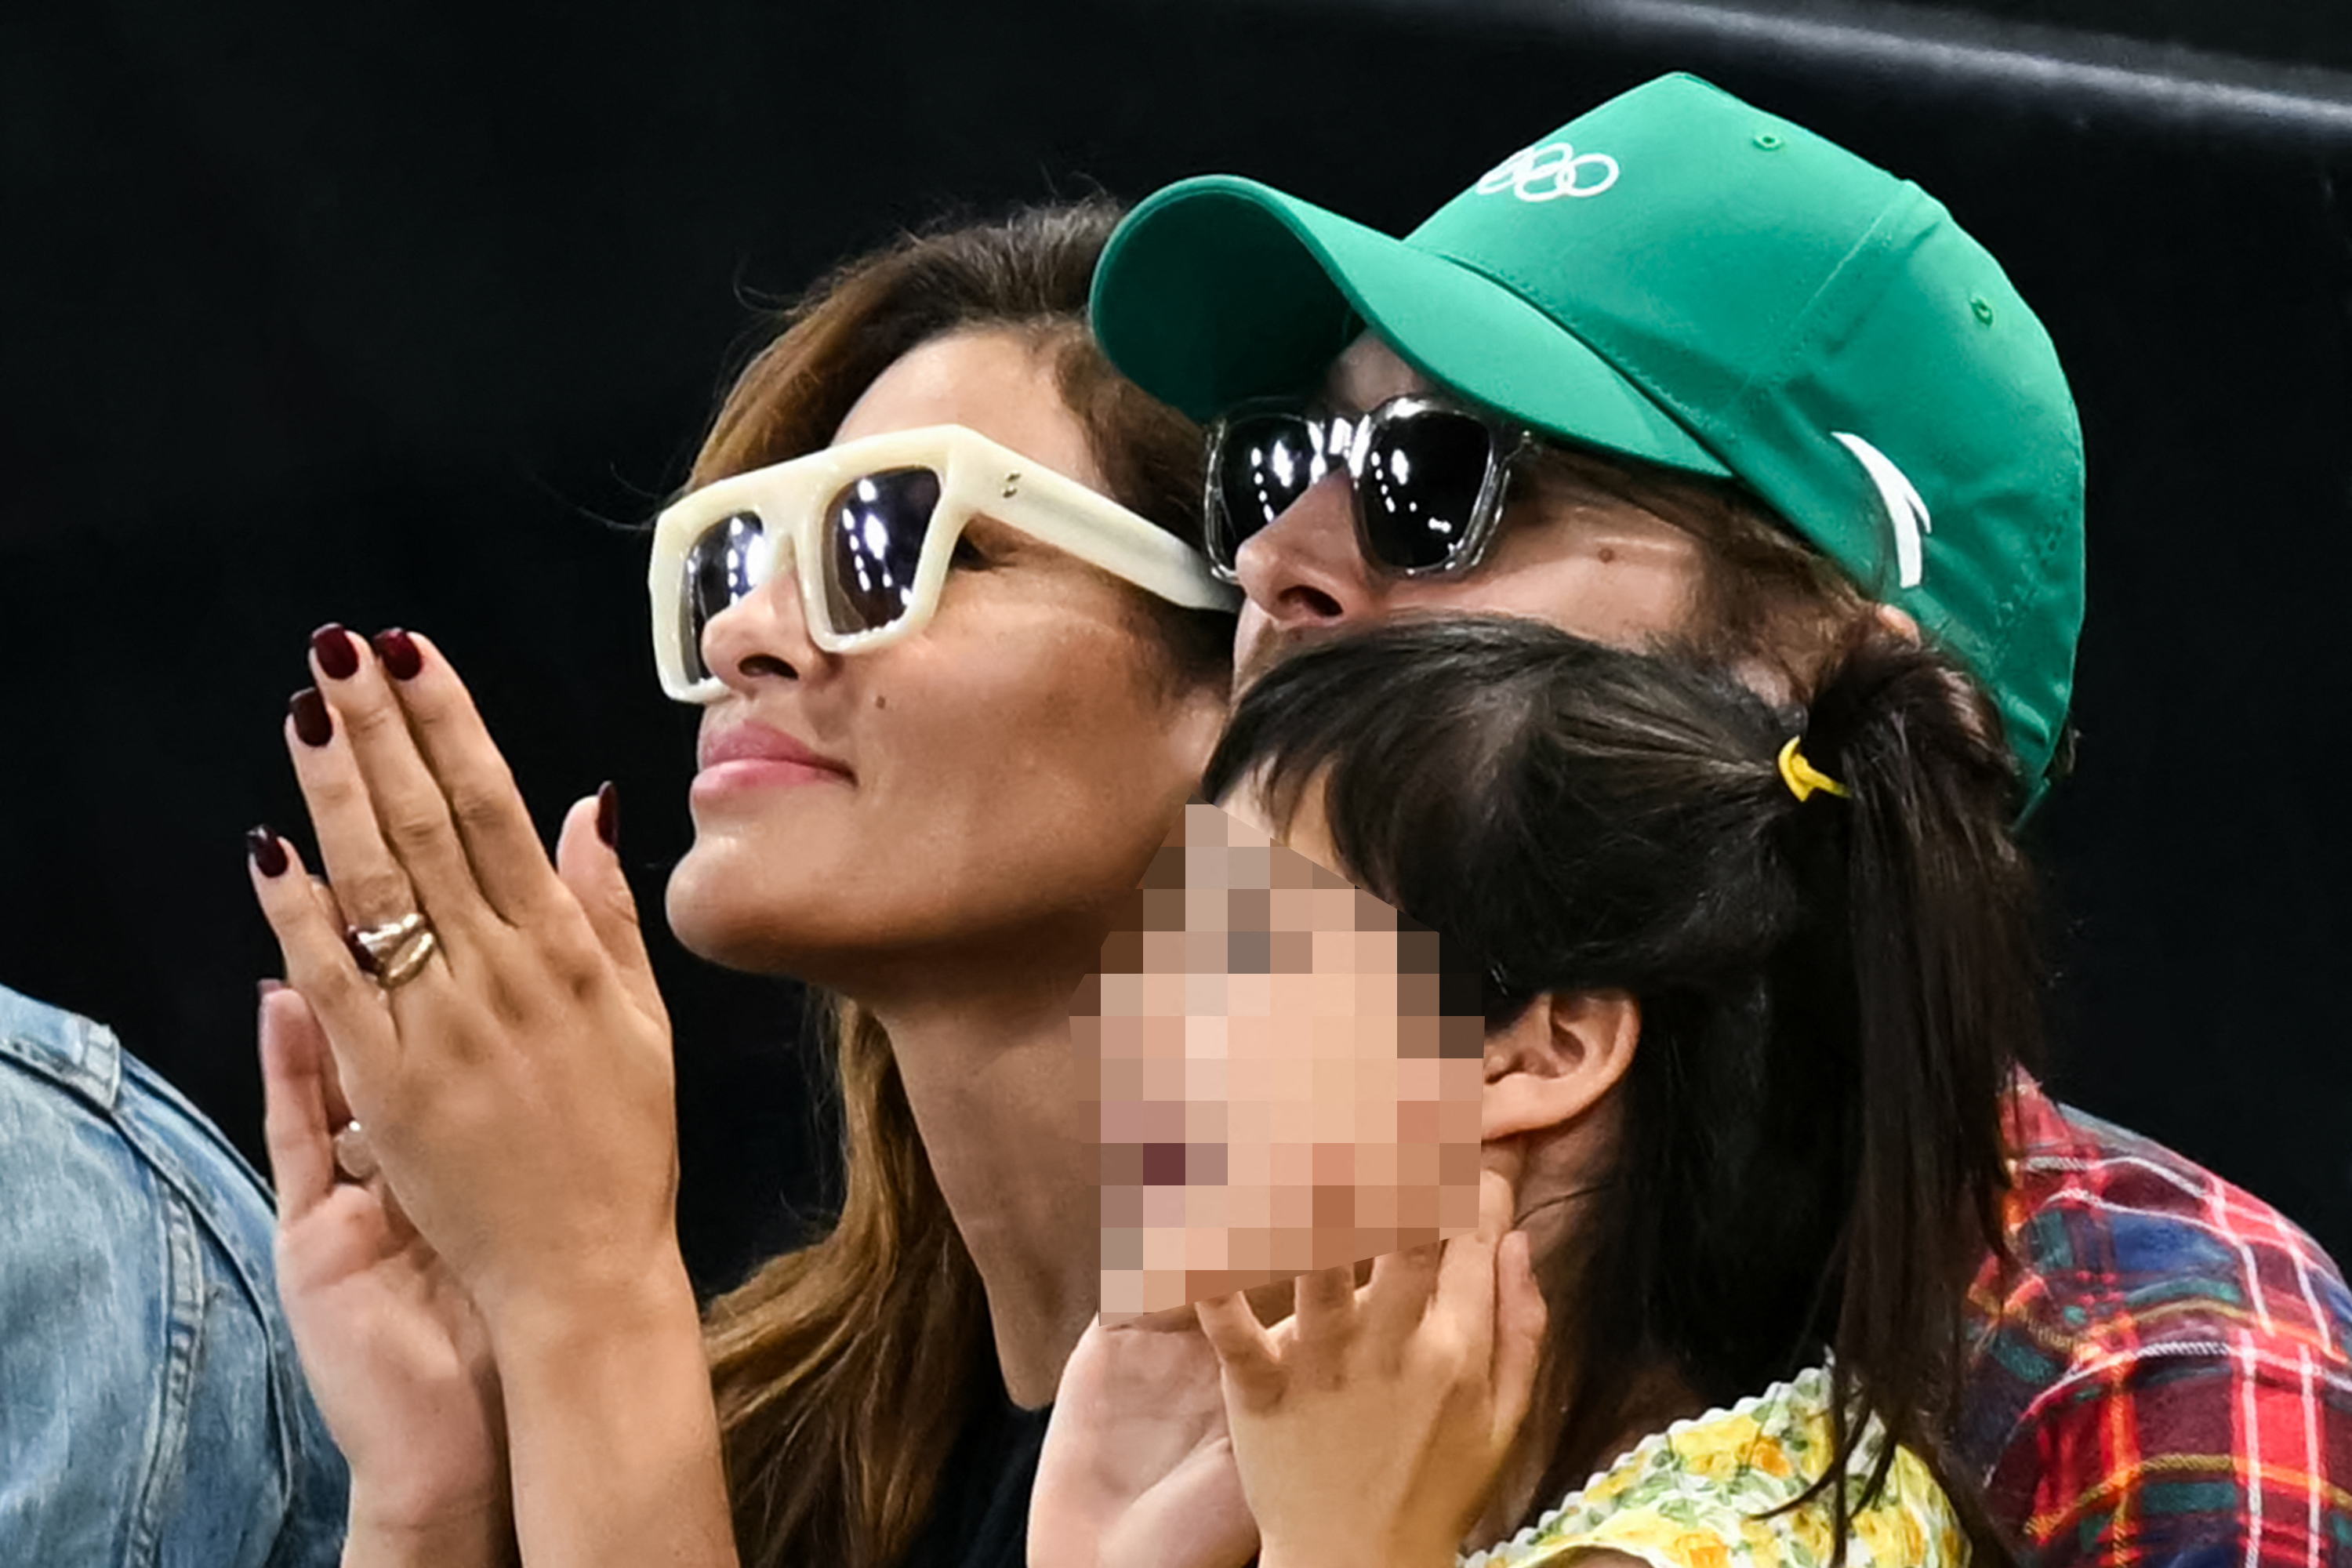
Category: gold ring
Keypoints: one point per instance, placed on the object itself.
(409, 962)
(396, 951)
(381, 942)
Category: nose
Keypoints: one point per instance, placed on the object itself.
(1303, 571)
(761, 636)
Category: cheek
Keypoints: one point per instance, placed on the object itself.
(1027, 765)
(1626, 592)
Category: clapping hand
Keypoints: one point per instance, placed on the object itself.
(393, 1351)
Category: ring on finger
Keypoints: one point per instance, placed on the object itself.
(355, 1155)
(395, 952)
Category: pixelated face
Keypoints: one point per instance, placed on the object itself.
(1280, 1088)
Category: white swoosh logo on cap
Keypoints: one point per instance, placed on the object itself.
(1905, 512)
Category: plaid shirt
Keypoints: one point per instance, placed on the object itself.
(2165, 1376)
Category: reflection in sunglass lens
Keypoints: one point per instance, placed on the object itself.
(874, 532)
(1267, 461)
(721, 567)
(1421, 476)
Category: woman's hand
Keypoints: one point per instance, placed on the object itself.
(518, 1087)
(1138, 1470)
(514, 1082)
(1371, 1425)
(393, 1347)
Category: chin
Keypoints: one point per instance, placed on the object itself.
(719, 910)
(712, 918)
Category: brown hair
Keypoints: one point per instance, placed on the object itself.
(844, 1371)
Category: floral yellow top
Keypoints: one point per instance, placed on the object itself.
(1700, 1495)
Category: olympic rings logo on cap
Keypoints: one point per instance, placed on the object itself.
(1549, 172)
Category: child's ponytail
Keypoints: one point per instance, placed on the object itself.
(1925, 909)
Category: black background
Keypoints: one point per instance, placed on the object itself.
(396, 314)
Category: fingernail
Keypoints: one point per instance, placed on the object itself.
(269, 855)
(311, 720)
(360, 954)
(332, 647)
(608, 814)
(269, 988)
(399, 652)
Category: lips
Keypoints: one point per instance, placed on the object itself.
(750, 742)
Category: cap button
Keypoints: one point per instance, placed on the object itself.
(1769, 140)
(1982, 307)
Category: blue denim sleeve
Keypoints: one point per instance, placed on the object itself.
(152, 1410)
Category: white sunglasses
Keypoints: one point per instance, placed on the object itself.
(869, 527)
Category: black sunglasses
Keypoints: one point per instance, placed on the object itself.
(1428, 476)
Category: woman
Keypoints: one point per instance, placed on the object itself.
(923, 788)
(1751, 1005)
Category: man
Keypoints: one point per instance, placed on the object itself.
(152, 1412)
(1684, 371)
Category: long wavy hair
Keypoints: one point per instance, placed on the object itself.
(844, 1371)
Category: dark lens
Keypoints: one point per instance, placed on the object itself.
(1421, 476)
(1267, 462)
(874, 532)
(718, 572)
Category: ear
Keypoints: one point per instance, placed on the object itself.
(1900, 622)
(1556, 1061)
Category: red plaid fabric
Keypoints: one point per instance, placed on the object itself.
(2163, 1377)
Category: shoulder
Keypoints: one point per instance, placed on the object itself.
(153, 1396)
(2159, 1336)
(2120, 1246)
(1724, 1490)
(108, 1147)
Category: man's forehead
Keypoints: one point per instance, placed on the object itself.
(1369, 372)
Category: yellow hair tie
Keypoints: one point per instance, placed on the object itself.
(1801, 777)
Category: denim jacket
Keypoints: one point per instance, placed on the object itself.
(151, 1411)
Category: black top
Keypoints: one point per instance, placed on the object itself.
(980, 1517)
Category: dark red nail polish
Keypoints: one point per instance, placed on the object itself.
(268, 853)
(311, 720)
(332, 646)
(608, 814)
(360, 954)
(399, 652)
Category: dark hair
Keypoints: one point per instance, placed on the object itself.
(844, 1370)
(1834, 993)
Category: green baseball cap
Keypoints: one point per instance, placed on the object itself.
(1682, 278)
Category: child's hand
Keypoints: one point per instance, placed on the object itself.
(1370, 1427)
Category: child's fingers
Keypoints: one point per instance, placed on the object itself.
(1246, 1352)
(1326, 1310)
(1519, 1320)
(1393, 1304)
(1466, 1279)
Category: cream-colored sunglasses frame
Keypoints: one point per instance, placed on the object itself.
(977, 477)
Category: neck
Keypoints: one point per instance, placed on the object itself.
(1006, 1109)
(1553, 1185)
